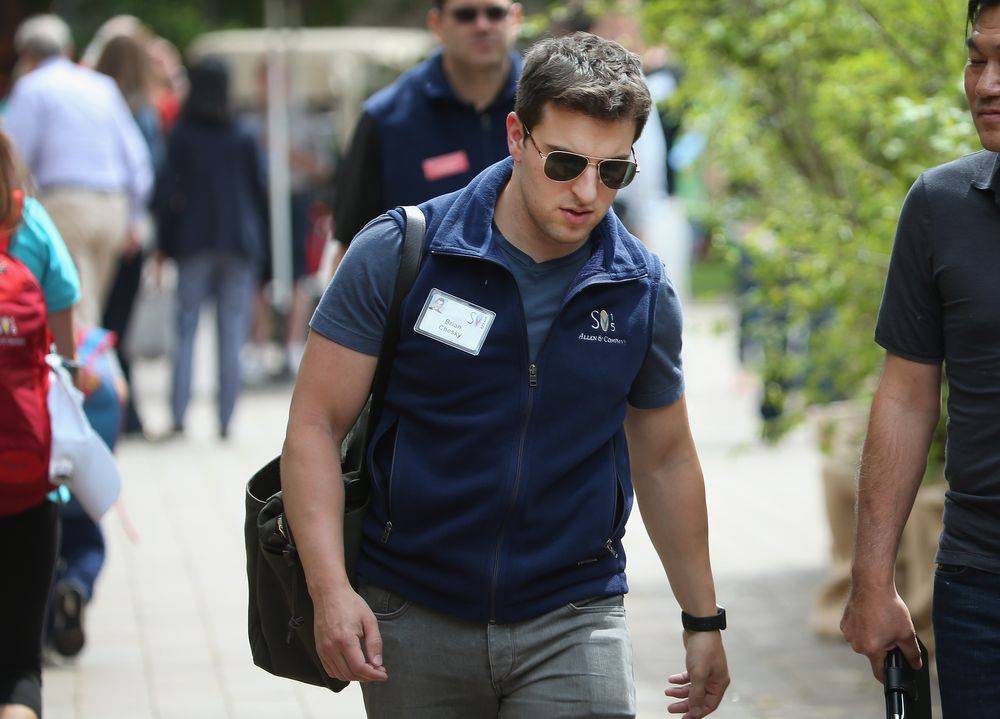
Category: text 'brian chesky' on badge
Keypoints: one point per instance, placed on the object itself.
(454, 321)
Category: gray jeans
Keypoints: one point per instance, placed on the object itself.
(573, 662)
(230, 280)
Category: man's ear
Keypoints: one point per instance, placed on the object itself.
(516, 18)
(515, 136)
(434, 22)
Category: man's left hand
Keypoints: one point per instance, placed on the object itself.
(701, 687)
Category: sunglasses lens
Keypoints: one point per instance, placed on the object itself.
(564, 166)
(617, 173)
(465, 14)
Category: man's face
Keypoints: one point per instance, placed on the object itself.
(982, 77)
(557, 217)
(476, 33)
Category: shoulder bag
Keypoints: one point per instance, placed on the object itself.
(280, 609)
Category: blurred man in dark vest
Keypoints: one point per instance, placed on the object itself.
(438, 125)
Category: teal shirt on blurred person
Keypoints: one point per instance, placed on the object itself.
(38, 244)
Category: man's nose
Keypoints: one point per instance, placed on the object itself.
(585, 186)
(483, 22)
(989, 81)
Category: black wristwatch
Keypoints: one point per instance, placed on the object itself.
(714, 623)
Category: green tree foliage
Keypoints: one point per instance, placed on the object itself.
(820, 114)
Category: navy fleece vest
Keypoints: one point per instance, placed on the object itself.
(501, 488)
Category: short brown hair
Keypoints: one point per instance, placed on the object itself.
(584, 73)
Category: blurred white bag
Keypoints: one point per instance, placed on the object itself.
(80, 459)
(152, 329)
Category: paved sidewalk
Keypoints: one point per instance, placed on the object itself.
(166, 633)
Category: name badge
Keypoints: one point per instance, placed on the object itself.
(446, 165)
(455, 322)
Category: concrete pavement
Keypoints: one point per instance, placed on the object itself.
(166, 633)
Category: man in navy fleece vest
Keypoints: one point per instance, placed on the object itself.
(536, 382)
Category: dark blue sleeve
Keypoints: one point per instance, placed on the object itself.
(661, 378)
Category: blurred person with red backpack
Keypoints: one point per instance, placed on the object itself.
(39, 287)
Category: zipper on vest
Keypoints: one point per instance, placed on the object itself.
(610, 546)
(388, 489)
(618, 517)
(532, 382)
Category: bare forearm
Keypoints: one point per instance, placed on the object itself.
(892, 465)
(321, 414)
(670, 488)
(61, 324)
(904, 412)
(313, 492)
(672, 504)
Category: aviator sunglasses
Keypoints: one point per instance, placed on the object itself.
(563, 166)
(467, 14)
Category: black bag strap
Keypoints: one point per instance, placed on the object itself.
(409, 262)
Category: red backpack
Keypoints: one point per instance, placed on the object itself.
(25, 429)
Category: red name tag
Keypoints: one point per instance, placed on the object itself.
(451, 163)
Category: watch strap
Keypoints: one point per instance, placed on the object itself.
(716, 622)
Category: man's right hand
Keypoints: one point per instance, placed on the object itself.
(343, 624)
(875, 622)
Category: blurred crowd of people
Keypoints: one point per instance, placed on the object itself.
(136, 172)
(176, 216)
